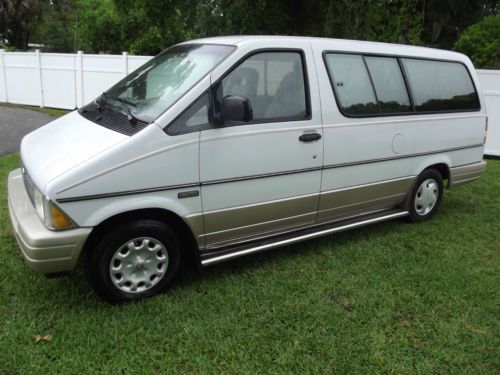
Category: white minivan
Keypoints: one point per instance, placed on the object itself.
(223, 147)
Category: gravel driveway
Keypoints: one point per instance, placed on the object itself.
(15, 123)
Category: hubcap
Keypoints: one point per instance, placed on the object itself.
(427, 196)
(138, 264)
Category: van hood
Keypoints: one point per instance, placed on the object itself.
(63, 144)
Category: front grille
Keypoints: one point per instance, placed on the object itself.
(111, 120)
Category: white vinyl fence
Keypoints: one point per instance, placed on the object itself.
(64, 80)
(60, 80)
(490, 84)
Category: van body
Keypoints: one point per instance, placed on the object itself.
(227, 146)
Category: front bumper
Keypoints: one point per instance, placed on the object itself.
(44, 250)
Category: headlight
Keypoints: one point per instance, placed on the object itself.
(38, 202)
(49, 212)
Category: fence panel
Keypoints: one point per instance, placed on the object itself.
(61, 80)
(22, 78)
(490, 85)
(58, 80)
(99, 73)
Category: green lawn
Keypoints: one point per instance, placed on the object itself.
(391, 298)
(50, 111)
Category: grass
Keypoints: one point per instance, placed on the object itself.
(55, 112)
(391, 298)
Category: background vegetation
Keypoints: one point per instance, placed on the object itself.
(147, 27)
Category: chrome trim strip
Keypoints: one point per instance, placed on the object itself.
(126, 192)
(289, 241)
(397, 119)
(253, 177)
(341, 165)
(257, 176)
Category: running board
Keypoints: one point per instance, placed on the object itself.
(218, 256)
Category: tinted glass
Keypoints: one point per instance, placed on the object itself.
(352, 84)
(194, 119)
(274, 84)
(389, 84)
(440, 86)
(156, 85)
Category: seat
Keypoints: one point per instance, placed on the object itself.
(289, 100)
(242, 82)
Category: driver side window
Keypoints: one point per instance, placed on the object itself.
(274, 84)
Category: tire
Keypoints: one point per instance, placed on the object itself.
(425, 196)
(133, 261)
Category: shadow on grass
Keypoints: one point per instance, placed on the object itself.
(74, 289)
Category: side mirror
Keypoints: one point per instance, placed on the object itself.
(237, 109)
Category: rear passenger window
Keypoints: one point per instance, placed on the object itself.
(389, 84)
(273, 82)
(440, 86)
(352, 84)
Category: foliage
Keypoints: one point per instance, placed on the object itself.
(55, 26)
(17, 21)
(147, 27)
(444, 20)
(482, 43)
(392, 298)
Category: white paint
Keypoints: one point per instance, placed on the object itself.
(60, 80)
(490, 85)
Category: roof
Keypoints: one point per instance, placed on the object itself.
(344, 45)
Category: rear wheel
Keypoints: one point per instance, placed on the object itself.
(425, 196)
(133, 261)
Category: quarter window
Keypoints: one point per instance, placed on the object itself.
(352, 84)
(440, 86)
(274, 84)
(195, 118)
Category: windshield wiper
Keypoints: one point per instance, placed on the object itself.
(126, 105)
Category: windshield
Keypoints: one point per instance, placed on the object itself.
(150, 90)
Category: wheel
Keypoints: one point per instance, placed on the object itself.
(425, 196)
(134, 261)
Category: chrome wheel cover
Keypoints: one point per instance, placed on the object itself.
(427, 196)
(138, 265)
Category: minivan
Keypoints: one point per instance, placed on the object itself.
(223, 147)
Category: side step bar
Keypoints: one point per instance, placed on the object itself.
(218, 256)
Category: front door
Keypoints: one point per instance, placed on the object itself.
(263, 176)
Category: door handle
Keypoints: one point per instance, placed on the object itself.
(309, 137)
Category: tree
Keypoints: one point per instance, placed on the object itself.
(481, 42)
(444, 20)
(16, 21)
(55, 26)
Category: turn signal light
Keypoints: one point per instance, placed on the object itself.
(58, 218)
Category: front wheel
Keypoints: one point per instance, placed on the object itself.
(425, 196)
(134, 261)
